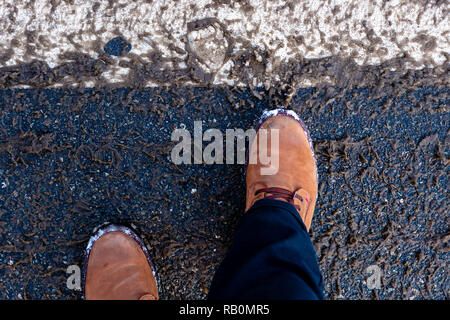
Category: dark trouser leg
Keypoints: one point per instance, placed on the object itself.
(271, 257)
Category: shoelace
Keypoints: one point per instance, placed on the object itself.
(280, 193)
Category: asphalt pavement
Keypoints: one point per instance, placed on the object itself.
(72, 159)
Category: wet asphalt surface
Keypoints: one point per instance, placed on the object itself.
(72, 159)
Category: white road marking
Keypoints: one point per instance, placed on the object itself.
(370, 31)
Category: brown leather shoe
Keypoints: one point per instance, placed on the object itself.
(296, 178)
(117, 267)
